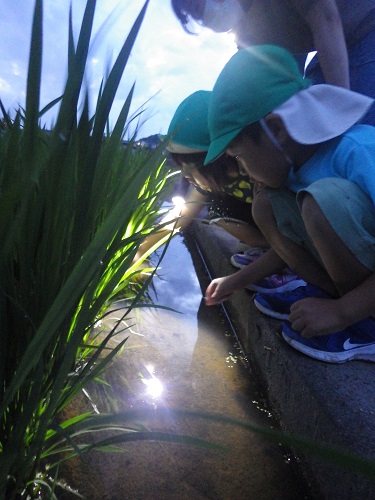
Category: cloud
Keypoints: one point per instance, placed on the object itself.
(176, 65)
(166, 63)
(5, 87)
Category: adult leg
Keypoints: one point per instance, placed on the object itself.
(362, 71)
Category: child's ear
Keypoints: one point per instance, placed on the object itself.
(277, 127)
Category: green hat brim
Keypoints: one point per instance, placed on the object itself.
(219, 145)
(174, 147)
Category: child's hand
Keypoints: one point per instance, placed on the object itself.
(313, 317)
(217, 291)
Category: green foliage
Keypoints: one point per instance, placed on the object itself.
(76, 203)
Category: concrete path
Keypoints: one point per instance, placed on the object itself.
(327, 403)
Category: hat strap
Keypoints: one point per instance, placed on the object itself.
(274, 141)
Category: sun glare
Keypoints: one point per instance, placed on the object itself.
(154, 387)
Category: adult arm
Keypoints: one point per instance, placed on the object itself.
(324, 21)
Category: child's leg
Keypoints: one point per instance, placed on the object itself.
(246, 232)
(294, 248)
(341, 264)
(227, 207)
(339, 219)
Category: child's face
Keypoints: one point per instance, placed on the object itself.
(262, 161)
(195, 178)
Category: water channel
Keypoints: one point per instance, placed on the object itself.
(187, 360)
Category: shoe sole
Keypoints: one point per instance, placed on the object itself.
(288, 287)
(235, 264)
(270, 312)
(332, 357)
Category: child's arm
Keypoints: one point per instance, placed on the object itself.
(323, 19)
(221, 289)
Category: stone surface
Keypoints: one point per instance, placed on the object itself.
(332, 404)
(183, 371)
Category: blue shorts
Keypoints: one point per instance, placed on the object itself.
(349, 211)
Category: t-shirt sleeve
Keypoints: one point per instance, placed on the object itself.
(360, 168)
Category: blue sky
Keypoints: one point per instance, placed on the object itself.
(166, 64)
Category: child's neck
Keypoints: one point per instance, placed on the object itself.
(301, 153)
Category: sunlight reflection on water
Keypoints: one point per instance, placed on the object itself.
(188, 361)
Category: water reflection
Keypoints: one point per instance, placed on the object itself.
(153, 384)
(176, 284)
(189, 361)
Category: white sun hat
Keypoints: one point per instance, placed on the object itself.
(322, 112)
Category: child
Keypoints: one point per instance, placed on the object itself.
(188, 145)
(317, 209)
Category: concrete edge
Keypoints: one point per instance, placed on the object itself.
(327, 403)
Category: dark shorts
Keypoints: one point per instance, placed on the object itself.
(361, 68)
(349, 211)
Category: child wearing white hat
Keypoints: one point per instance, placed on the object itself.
(218, 184)
(317, 208)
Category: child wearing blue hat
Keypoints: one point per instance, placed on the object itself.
(317, 206)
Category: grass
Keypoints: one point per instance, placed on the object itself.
(77, 202)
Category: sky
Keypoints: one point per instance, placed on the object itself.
(166, 63)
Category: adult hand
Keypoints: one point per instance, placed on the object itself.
(314, 316)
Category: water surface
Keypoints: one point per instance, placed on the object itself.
(187, 360)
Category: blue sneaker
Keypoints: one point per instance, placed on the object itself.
(277, 305)
(241, 260)
(277, 283)
(355, 342)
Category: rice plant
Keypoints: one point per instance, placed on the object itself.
(76, 203)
